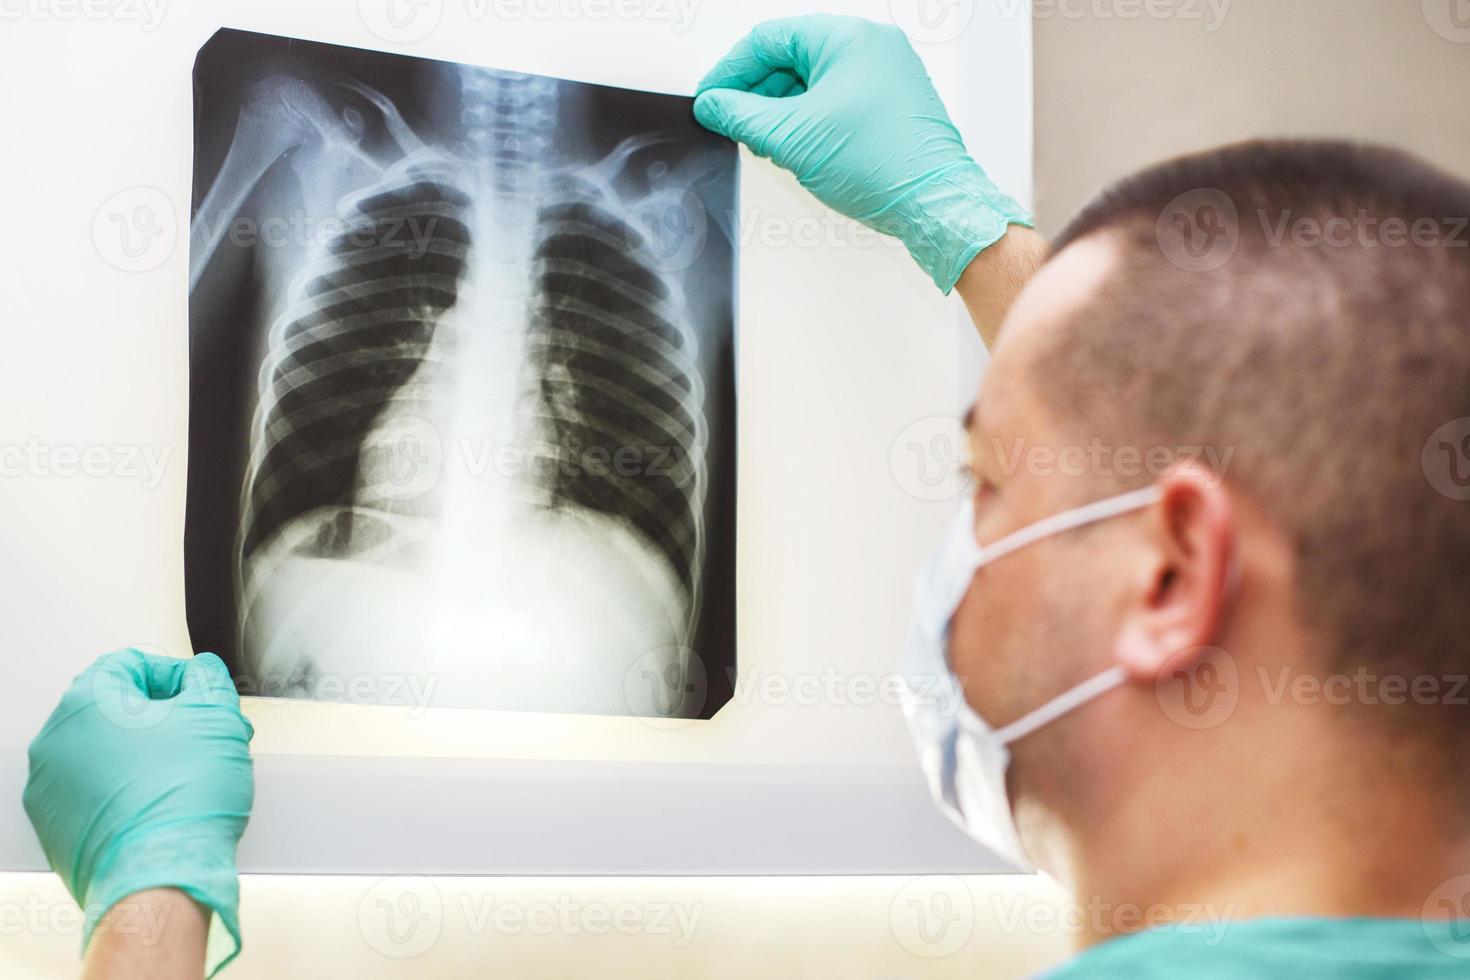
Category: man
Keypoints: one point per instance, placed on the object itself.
(1232, 683)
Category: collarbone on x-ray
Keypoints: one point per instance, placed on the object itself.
(478, 445)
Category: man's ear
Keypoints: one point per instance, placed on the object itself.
(1184, 584)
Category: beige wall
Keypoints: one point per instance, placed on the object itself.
(999, 927)
(1113, 95)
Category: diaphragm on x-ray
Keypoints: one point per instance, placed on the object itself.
(462, 402)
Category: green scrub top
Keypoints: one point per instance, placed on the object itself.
(1312, 948)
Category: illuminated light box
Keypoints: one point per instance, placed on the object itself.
(846, 360)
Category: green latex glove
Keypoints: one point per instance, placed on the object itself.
(845, 105)
(141, 778)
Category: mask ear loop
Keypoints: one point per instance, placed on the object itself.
(1108, 679)
(1098, 510)
(1100, 683)
(1093, 687)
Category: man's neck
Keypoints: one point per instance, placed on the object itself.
(1290, 833)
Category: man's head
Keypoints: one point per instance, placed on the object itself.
(1279, 335)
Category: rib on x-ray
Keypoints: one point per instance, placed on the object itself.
(462, 394)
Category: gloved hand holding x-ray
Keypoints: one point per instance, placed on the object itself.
(462, 427)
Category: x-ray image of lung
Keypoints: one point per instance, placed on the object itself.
(462, 394)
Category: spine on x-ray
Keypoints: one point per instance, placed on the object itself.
(487, 291)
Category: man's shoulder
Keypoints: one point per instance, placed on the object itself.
(1154, 953)
(1323, 948)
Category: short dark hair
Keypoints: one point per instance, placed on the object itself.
(1326, 342)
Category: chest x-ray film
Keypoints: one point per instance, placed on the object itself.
(462, 403)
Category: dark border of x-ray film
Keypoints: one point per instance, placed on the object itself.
(223, 367)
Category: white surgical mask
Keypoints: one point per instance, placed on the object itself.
(963, 757)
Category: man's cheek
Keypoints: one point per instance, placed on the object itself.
(981, 639)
